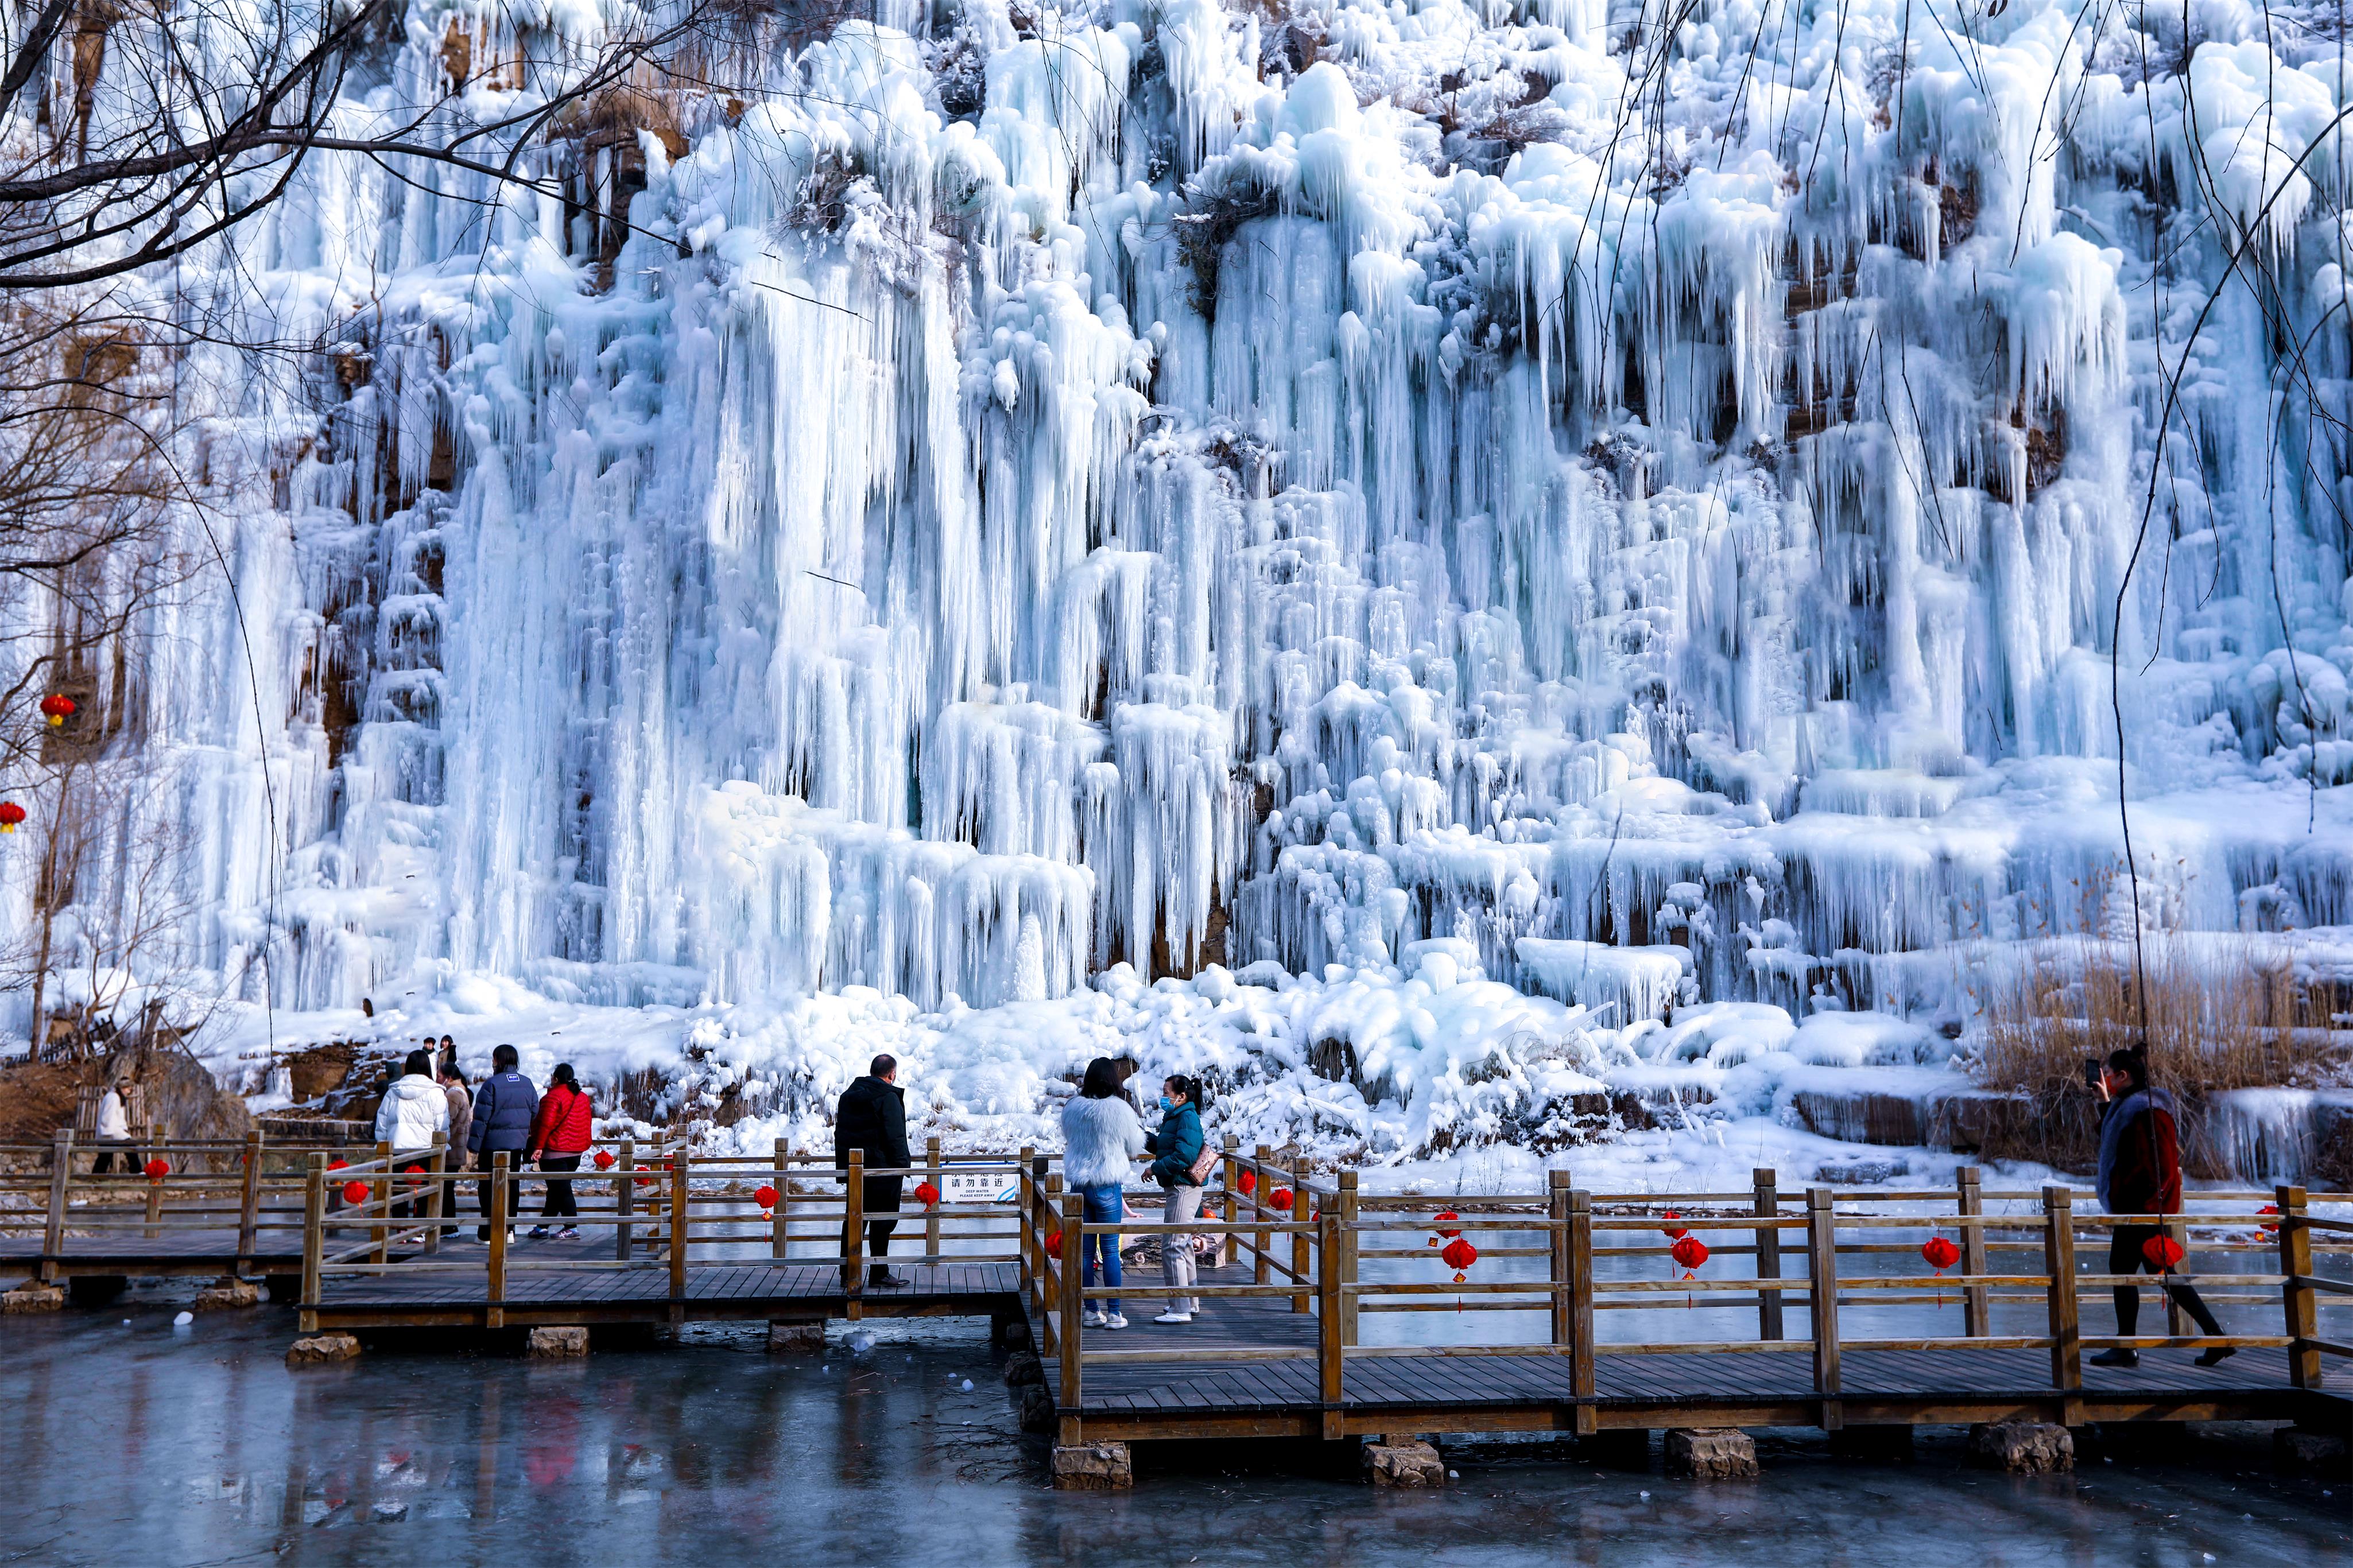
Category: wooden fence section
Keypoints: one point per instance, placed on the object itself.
(1280, 1346)
(666, 1235)
(179, 1206)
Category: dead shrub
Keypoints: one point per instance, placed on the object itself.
(2218, 1018)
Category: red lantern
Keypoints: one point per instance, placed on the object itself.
(156, 1170)
(337, 1164)
(1670, 1228)
(1054, 1244)
(927, 1195)
(1280, 1197)
(1941, 1253)
(1459, 1256)
(765, 1196)
(11, 814)
(412, 1170)
(2162, 1251)
(1246, 1182)
(356, 1193)
(644, 1180)
(604, 1159)
(1439, 1224)
(1690, 1252)
(2270, 1225)
(59, 706)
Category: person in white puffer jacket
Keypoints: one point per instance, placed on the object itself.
(1101, 1140)
(414, 1108)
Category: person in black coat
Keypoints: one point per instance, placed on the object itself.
(504, 1108)
(871, 1118)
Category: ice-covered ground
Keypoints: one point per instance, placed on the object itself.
(1482, 510)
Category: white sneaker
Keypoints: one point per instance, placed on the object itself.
(1115, 1320)
(1174, 1318)
(1094, 1318)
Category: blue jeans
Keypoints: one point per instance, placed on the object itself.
(1101, 1207)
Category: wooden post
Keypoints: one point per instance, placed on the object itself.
(1768, 1250)
(625, 1198)
(1331, 1357)
(1230, 1245)
(436, 1165)
(1822, 1295)
(2176, 1321)
(681, 1233)
(1580, 1312)
(780, 1217)
(932, 1215)
(1302, 1205)
(1557, 1246)
(495, 1288)
(53, 1235)
(380, 1201)
(1025, 1203)
(1071, 1277)
(314, 1237)
(1976, 1303)
(2297, 1296)
(1262, 1268)
(853, 1230)
(154, 1202)
(2066, 1332)
(249, 1203)
(1050, 1270)
(1349, 1243)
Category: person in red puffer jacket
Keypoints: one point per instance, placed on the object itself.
(559, 1136)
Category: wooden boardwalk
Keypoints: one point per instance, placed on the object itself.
(1225, 1385)
(126, 1250)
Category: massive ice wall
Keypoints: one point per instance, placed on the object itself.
(1665, 502)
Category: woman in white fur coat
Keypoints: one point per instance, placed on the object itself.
(1101, 1140)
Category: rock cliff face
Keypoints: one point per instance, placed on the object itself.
(1643, 509)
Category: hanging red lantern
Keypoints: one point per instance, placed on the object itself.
(58, 707)
(156, 1170)
(927, 1195)
(1459, 1256)
(604, 1159)
(765, 1196)
(1670, 1228)
(1438, 1223)
(2162, 1251)
(337, 1164)
(11, 814)
(1054, 1244)
(1281, 1197)
(2270, 1225)
(356, 1193)
(643, 1179)
(1941, 1253)
(412, 1170)
(1690, 1252)
(1247, 1180)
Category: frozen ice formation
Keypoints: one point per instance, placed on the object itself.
(1560, 504)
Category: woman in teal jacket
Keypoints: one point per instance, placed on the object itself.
(1175, 1148)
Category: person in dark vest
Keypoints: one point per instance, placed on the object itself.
(871, 1118)
(2140, 1173)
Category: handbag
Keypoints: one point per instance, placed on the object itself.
(1204, 1165)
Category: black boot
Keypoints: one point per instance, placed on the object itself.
(2118, 1357)
(880, 1277)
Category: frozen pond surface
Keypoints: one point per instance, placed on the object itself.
(140, 1443)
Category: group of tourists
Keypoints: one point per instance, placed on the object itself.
(506, 1113)
(1103, 1137)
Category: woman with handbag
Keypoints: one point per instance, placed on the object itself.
(1181, 1163)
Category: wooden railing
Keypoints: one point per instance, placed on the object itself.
(1306, 1241)
(666, 1210)
(237, 1190)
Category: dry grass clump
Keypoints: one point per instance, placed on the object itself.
(2218, 1017)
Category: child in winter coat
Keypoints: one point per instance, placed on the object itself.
(1101, 1140)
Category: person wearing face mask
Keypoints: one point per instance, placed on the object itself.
(1177, 1148)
